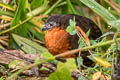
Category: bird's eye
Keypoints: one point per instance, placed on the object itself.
(51, 23)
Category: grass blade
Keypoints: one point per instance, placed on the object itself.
(50, 9)
(6, 13)
(36, 3)
(19, 13)
(71, 7)
(104, 13)
(9, 7)
(39, 9)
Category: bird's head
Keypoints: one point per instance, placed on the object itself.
(49, 25)
(51, 22)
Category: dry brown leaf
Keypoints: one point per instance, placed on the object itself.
(83, 35)
(7, 18)
(96, 76)
(104, 77)
(99, 76)
(102, 62)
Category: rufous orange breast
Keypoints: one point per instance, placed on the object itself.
(56, 40)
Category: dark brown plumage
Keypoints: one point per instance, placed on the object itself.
(57, 40)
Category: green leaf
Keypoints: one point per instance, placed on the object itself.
(71, 28)
(1, 79)
(90, 57)
(88, 33)
(79, 61)
(72, 22)
(82, 78)
(47, 55)
(93, 42)
(27, 45)
(81, 42)
(36, 3)
(20, 13)
(70, 64)
(37, 60)
(61, 74)
(64, 70)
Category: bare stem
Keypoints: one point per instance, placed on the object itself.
(86, 48)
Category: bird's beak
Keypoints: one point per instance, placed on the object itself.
(44, 28)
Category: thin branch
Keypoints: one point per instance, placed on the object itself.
(86, 48)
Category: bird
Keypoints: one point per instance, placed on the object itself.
(58, 40)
